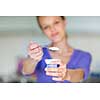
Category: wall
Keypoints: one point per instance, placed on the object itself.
(16, 32)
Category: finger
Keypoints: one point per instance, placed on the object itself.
(35, 52)
(57, 79)
(31, 48)
(54, 74)
(56, 69)
(40, 54)
(39, 49)
(62, 65)
(33, 45)
(36, 55)
(51, 69)
(63, 70)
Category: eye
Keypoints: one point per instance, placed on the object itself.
(46, 27)
(57, 22)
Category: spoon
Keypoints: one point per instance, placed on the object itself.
(53, 49)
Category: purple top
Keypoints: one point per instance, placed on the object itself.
(79, 59)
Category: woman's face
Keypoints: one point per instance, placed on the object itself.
(53, 27)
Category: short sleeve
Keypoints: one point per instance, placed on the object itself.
(84, 63)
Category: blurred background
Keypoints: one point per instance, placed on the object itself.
(16, 32)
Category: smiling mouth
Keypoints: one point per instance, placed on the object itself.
(54, 34)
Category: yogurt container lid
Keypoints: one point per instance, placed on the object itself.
(52, 61)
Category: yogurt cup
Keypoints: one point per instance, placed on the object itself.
(52, 63)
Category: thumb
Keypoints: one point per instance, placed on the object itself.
(63, 65)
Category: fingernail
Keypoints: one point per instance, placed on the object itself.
(47, 73)
(45, 69)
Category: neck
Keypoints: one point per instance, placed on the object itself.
(62, 44)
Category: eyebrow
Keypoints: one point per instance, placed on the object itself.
(45, 25)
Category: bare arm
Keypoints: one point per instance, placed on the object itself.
(29, 66)
(75, 75)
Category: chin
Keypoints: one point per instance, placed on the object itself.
(56, 40)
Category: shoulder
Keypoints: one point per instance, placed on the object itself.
(83, 54)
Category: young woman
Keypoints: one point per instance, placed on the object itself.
(74, 64)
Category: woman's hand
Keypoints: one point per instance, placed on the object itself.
(58, 74)
(35, 51)
(35, 55)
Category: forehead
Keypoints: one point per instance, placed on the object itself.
(43, 19)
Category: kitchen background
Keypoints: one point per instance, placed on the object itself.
(17, 31)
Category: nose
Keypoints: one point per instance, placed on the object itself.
(53, 29)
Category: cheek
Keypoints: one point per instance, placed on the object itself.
(60, 27)
(47, 33)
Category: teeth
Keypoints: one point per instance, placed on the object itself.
(54, 48)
